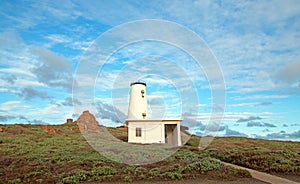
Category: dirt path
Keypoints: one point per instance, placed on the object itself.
(268, 178)
(198, 181)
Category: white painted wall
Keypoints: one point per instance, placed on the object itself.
(138, 101)
(153, 131)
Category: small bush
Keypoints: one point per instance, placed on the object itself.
(40, 180)
(238, 172)
(39, 170)
(104, 171)
(205, 164)
(16, 181)
(154, 172)
(134, 169)
(173, 175)
(70, 180)
(208, 164)
(76, 177)
(143, 177)
(127, 179)
(187, 156)
(177, 168)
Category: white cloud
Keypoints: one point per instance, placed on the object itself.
(21, 71)
(256, 97)
(52, 70)
(249, 104)
(25, 83)
(228, 118)
(7, 90)
(10, 40)
(80, 45)
(58, 38)
(6, 106)
(288, 77)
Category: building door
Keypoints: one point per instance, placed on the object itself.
(171, 135)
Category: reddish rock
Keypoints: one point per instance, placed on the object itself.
(2, 129)
(87, 122)
(70, 121)
(49, 129)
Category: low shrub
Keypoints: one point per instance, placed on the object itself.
(187, 156)
(204, 165)
(127, 179)
(154, 172)
(104, 171)
(173, 175)
(16, 181)
(238, 172)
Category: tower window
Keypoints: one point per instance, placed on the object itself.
(142, 91)
(138, 132)
(144, 115)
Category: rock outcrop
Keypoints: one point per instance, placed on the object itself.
(49, 129)
(87, 122)
(70, 121)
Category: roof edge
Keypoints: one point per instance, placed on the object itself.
(151, 120)
(143, 83)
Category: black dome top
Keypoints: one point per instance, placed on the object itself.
(143, 83)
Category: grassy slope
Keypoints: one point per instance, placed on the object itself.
(263, 155)
(34, 154)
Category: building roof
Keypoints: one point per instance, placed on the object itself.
(152, 120)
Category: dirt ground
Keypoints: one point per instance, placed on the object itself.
(291, 177)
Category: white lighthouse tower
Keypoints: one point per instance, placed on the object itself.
(138, 106)
(143, 130)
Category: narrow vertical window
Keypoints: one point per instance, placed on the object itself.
(143, 93)
(138, 132)
(144, 115)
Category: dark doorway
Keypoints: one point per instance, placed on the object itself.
(171, 134)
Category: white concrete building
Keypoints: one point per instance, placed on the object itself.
(144, 130)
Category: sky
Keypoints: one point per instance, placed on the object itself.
(55, 61)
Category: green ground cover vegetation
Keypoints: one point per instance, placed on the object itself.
(31, 154)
